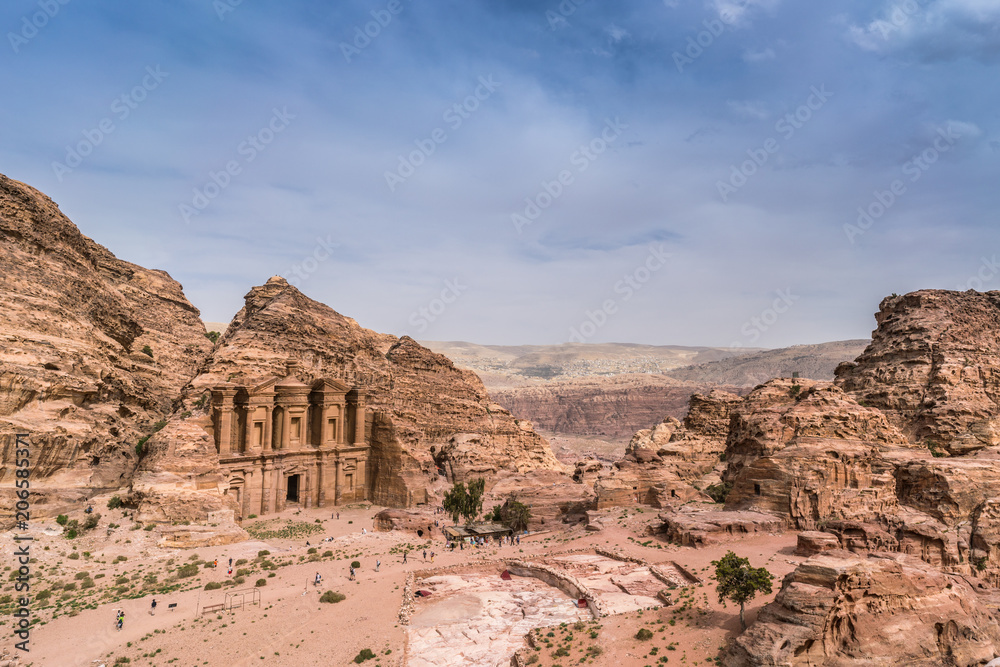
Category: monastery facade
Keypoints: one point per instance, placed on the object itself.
(281, 441)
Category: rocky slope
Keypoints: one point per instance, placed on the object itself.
(841, 609)
(425, 413)
(74, 321)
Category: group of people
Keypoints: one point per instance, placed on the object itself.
(119, 618)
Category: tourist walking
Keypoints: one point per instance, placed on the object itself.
(230, 562)
(121, 619)
(352, 573)
(318, 579)
(425, 554)
(152, 608)
(404, 557)
(378, 563)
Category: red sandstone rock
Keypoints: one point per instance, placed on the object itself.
(75, 320)
(811, 542)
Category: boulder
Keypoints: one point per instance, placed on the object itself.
(812, 542)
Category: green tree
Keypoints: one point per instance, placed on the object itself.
(513, 514)
(740, 583)
(461, 502)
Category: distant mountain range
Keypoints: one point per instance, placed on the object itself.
(611, 390)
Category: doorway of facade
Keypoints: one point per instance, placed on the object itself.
(293, 489)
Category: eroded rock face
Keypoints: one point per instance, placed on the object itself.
(426, 415)
(841, 609)
(787, 411)
(695, 526)
(74, 321)
(933, 367)
(673, 462)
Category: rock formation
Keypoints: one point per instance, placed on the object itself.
(933, 367)
(73, 372)
(838, 608)
(426, 417)
(673, 462)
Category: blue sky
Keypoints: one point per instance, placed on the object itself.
(748, 172)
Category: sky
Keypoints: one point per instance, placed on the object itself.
(754, 173)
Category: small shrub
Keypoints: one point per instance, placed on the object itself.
(74, 556)
(719, 492)
(149, 527)
(355, 564)
(91, 521)
(366, 654)
(188, 570)
(644, 634)
(312, 550)
(148, 351)
(241, 561)
(121, 559)
(327, 554)
(332, 597)
(71, 533)
(260, 582)
(62, 519)
(213, 586)
(115, 503)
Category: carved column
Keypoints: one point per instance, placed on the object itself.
(320, 480)
(267, 492)
(222, 402)
(286, 427)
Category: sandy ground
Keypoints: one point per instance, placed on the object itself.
(291, 626)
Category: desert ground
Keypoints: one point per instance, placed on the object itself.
(117, 565)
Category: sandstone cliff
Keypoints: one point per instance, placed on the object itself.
(74, 321)
(425, 414)
(933, 367)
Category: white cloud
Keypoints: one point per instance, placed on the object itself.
(749, 108)
(936, 30)
(752, 56)
(616, 33)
